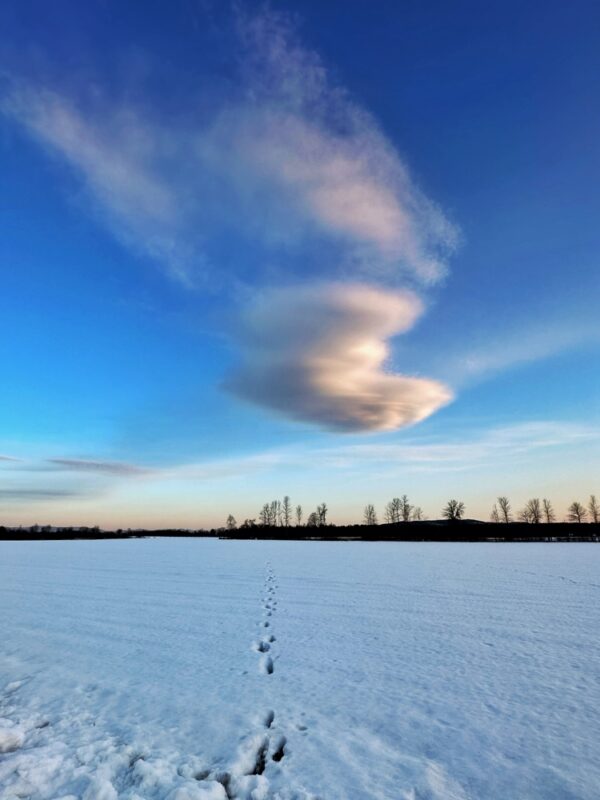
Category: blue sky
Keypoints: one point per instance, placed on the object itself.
(319, 249)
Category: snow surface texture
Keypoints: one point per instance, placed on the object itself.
(205, 670)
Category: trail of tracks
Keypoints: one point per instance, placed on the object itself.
(263, 749)
(255, 768)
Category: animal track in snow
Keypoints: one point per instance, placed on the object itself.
(267, 665)
(260, 758)
(245, 777)
(261, 752)
(279, 748)
(269, 718)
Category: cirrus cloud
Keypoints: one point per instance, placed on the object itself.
(285, 159)
(106, 467)
(328, 156)
(317, 354)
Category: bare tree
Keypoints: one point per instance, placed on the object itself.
(370, 515)
(453, 510)
(313, 520)
(535, 510)
(577, 512)
(298, 516)
(532, 511)
(276, 513)
(322, 514)
(392, 510)
(494, 515)
(549, 514)
(389, 514)
(417, 514)
(264, 515)
(594, 509)
(286, 510)
(405, 508)
(231, 524)
(505, 512)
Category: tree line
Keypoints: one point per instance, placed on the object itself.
(536, 511)
(281, 513)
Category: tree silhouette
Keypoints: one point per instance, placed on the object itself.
(594, 509)
(275, 513)
(405, 508)
(417, 514)
(298, 516)
(535, 510)
(231, 524)
(494, 515)
(264, 515)
(313, 520)
(370, 515)
(286, 510)
(549, 514)
(505, 512)
(388, 514)
(393, 510)
(577, 512)
(322, 514)
(453, 510)
(532, 511)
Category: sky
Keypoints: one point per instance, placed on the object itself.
(337, 251)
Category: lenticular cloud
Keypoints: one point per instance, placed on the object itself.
(317, 355)
(288, 163)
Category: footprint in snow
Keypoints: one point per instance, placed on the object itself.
(269, 718)
(279, 748)
(267, 666)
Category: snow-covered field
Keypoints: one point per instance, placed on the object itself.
(203, 670)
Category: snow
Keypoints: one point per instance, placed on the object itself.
(190, 669)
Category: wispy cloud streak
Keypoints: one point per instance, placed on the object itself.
(442, 454)
(104, 467)
(119, 158)
(528, 343)
(508, 442)
(28, 495)
(303, 137)
(285, 148)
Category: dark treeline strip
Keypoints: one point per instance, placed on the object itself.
(426, 531)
